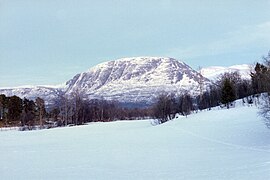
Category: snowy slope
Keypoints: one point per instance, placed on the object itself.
(213, 72)
(223, 144)
(136, 79)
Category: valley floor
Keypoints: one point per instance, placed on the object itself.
(218, 144)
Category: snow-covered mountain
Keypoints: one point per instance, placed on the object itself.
(214, 71)
(136, 79)
(49, 93)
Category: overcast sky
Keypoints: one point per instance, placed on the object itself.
(49, 41)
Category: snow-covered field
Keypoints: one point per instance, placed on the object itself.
(219, 144)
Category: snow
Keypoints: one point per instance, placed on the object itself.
(62, 85)
(213, 72)
(217, 144)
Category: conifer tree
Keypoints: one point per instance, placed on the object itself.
(28, 114)
(15, 107)
(2, 105)
(227, 92)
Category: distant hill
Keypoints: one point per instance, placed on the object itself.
(214, 71)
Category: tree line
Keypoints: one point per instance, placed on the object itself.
(24, 112)
(223, 92)
(65, 111)
(76, 109)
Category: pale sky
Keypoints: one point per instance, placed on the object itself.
(49, 41)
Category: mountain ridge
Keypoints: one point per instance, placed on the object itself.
(133, 79)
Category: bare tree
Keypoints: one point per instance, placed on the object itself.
(265, 109)
(185, 104)
(164, 109)
(201, 82)
(77, 102)
(261, 78)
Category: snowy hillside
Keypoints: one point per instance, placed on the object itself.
(136, 79)
(222, 144)
(214, 71)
